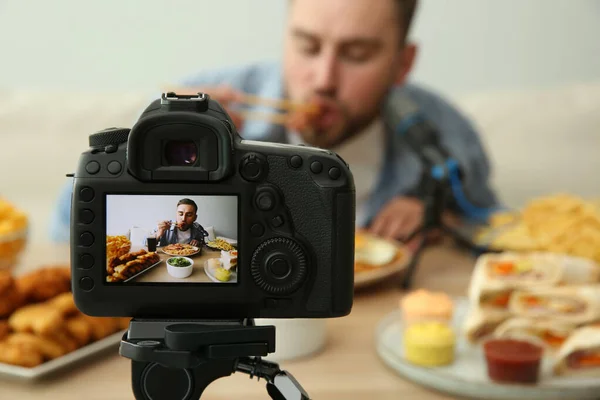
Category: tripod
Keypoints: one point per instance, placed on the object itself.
(437, 188)
(177, 360)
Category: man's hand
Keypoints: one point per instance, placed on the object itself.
(223, 94)
(162, 228)
(398, 218)
(194, 242)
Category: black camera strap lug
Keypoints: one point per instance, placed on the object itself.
(187, 356)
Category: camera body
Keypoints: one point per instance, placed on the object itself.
(290, 209)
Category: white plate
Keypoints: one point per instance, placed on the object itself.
(196, 251)
(366, 278)
(209, 271)
(467, 376)
(69, 360)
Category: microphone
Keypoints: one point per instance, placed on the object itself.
(423, 138)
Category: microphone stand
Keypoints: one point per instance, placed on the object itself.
(437, 191)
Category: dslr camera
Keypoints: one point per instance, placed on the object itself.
(179, 217)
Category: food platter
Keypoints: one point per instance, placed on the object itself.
(467, 375)
(193, 250)
(142, 272)
(69, 360)
(210, 272)
(382, 266)
(221, 244)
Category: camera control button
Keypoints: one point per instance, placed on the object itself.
(257, 230)
(86, 239)
(111, 148)
(252, 167)
(316, 167)
(93, 167)
(86, 216)
(279, 267)
(114, 167)
(265, 201)
(334, 173)
(277, 221)
(86, 194)
(296, 161)
(86, 261)
(86, 283)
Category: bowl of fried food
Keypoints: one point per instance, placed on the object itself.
(13, 234)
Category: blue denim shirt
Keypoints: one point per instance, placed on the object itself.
(401, 172)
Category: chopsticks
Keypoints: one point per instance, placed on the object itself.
(280, 118)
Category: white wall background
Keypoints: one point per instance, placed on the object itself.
(467, 45)
(124, 212)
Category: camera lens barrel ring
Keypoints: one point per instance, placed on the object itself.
(279, 266)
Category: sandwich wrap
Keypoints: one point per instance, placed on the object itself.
(564, 304)
(496, 276)
(549, 334)
(480, 323)
(580, 354)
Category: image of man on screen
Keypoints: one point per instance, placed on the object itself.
(185, 229)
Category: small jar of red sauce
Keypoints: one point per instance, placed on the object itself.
(513, 361)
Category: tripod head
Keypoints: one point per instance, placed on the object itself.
(178, 359)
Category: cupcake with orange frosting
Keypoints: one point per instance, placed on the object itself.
(426, 306)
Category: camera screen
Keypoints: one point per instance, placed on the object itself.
(171, 239)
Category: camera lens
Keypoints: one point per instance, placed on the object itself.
(181, 152)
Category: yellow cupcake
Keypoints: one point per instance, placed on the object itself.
(429, 344)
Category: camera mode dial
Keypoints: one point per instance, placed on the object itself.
(109, 136)
(279, 266)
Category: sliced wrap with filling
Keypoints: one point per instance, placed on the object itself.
(549, 334)
(580, 354)
(496, 276)
(480, 323)
(565, 304)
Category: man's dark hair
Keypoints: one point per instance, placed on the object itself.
(406, 13)
(189, 202)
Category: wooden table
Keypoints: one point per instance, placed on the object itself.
(347, 369)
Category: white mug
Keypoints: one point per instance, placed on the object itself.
(296, 338)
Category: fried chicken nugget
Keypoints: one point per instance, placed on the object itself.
(4, 329)
(44, 283)
(102, 326)
(48, 348)
(37, 318)
(65, 304)
(79, 329)
(64, 340)
(23, 356)
(10, 296)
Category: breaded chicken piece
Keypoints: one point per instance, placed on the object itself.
(124, 323)
(79, 329)
(63, 339)
(4, 330)
(65, 304)
(48, 348)
(10, 296)
(23, 356)
(36, 318)
(44, 283)
(102, 326)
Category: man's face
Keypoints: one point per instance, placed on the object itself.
(345, 55)
(185, 216)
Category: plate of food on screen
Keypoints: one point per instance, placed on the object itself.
(180, 249)
(223, 269)
(220, 244)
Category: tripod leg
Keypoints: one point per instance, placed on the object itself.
(410, 269)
